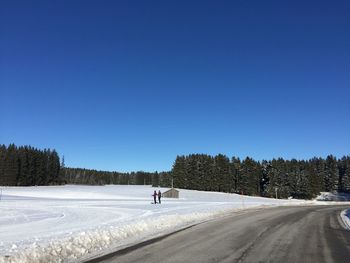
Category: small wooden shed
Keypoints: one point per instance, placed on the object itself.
(172, 193)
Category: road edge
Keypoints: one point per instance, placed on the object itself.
(143, 242)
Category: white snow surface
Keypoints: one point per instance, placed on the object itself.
(73, 223)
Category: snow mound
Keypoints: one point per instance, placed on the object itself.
(345, 216)
(87, 244)
(333, 196)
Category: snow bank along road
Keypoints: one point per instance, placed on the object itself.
(282, 234)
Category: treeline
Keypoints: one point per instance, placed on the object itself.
(29, 166)
(25, 166)
(94, 177)
(284, 178)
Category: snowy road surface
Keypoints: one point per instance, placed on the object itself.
(283, 234)
(74, 223)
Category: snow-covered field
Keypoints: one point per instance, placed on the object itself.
(72, 223)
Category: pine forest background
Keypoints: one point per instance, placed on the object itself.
(28, 166)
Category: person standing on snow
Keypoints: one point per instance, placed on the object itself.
(159, 196)
(155, 196)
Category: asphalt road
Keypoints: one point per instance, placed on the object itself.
(283, 234)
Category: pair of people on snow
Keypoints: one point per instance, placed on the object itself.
(155, 196)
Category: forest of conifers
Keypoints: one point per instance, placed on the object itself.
(288, 178)
(25, 166)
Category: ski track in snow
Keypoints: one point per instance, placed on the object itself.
(72, 223)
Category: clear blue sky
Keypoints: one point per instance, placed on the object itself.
(128, 85)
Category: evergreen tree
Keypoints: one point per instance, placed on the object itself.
(165, 179)
(331, 178)
(179, 172)
(278, 179)
(192, 175)
(298, 174)
(344, 174)
(2, 164)
(315, 177)
(251, 177)
(26, 166)
(208, 173)
(222, 173)
(236, 175)
(155, 179)
(265, 180)
(11, 166)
